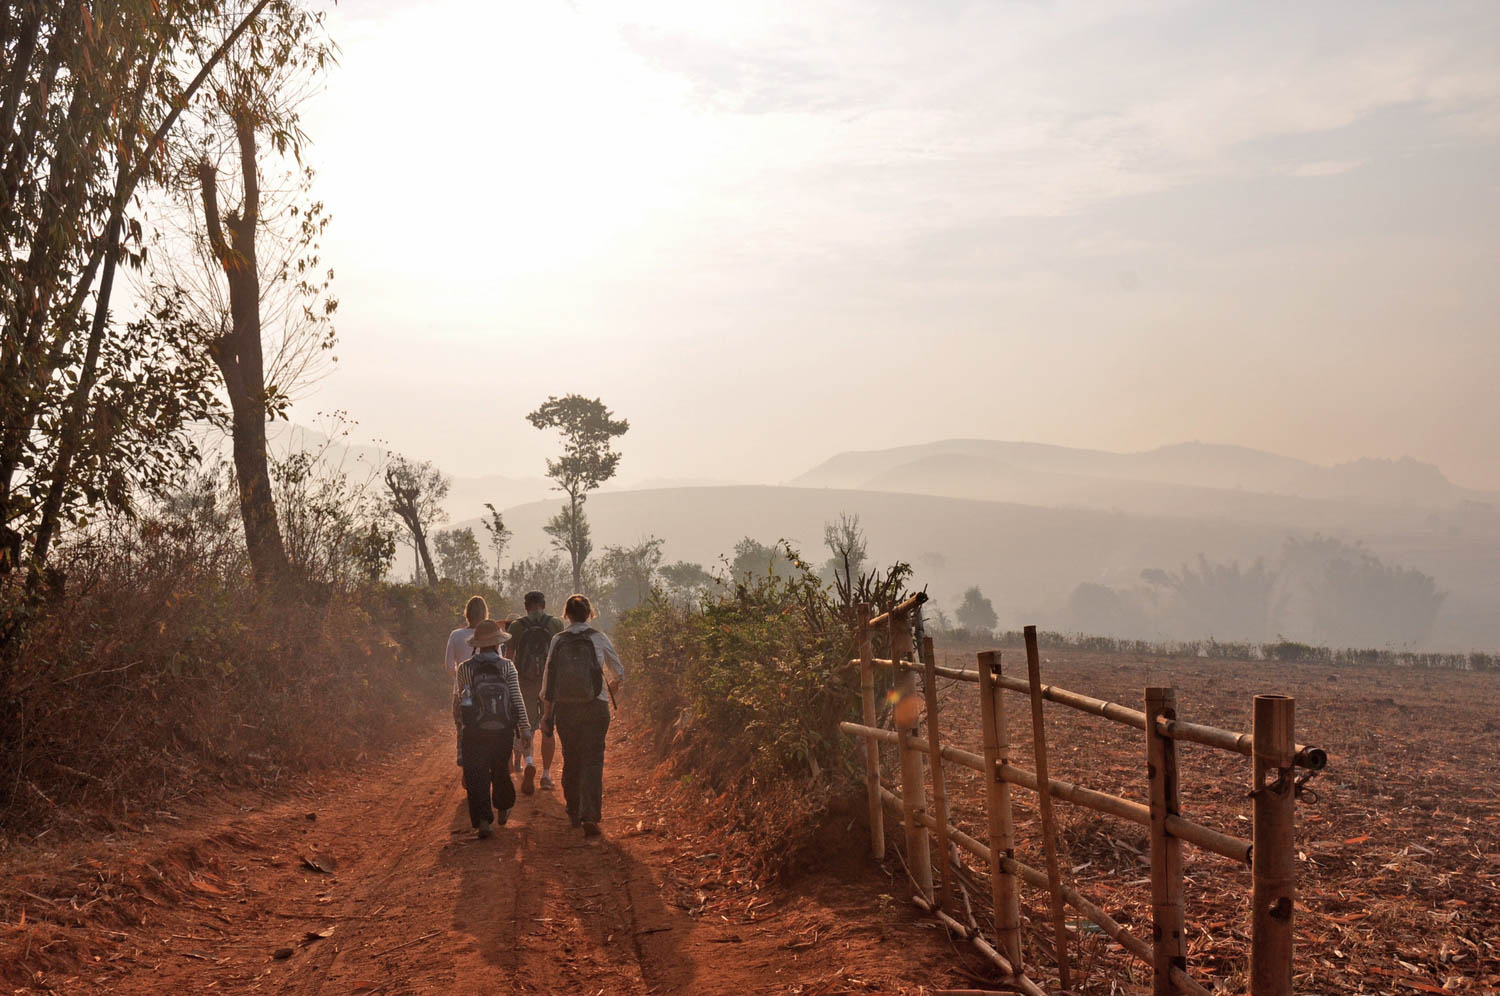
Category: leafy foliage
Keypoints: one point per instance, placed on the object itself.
(632, 573)
(755, 677)
(977, 612)
(499, 534)
(415, 492)
(459, 557)
(754, 559)
(587, 461)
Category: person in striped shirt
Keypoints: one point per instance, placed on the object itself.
(486, 732)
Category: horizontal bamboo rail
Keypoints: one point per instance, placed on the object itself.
(1307, 756)
(899, 611)
(1234, 848)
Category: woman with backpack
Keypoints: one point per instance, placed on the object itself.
(576, 695)
(488, 709)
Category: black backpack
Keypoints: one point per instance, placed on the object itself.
(530, 654)
(575, 671)
(489, 692)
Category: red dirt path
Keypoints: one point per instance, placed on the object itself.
(416, 904)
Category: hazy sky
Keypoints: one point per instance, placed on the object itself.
(765, 232)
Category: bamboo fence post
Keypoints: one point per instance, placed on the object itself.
(1273, 857)
(872, 748)
(1003, 886)
(913, 793)
(939, 786)
(1049, 822)
(1168, 940)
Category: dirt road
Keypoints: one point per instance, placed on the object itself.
(412, 902)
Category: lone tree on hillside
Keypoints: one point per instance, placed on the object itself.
(977, 612)
(500, 536)
(416, 492)
(586, 462)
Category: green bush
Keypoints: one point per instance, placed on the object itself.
(755, 679)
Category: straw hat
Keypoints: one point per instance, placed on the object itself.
(488, 634)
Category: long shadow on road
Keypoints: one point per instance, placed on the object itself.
(549, 911)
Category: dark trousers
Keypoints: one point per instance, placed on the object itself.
(486, 761)
(581, 728)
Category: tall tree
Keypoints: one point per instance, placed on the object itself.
(587, 461)
(246, 105)
(416, 492)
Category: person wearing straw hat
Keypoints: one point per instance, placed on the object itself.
(457, 649)
(489, 712)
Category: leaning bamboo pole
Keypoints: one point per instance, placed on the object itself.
(1274, 869)
(913, 794)
(996, 734)
(1033, 876)
(1013, 975)
(935, 772)
(1169, 940)
(872, 749)
(1049, 821)
(899, 610)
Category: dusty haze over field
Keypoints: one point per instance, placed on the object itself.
(1110, 225)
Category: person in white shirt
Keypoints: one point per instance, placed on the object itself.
(583, 672)
(458, 650)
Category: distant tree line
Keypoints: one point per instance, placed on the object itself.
(1320, 590)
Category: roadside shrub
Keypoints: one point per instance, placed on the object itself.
(754, 679)
(158, 669)
(746, 690)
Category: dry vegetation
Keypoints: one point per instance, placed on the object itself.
(1399, 853)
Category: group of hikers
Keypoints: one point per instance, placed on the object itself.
(514, 677)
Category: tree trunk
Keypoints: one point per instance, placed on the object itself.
(432, 578)
(240, 359)
(576, 550)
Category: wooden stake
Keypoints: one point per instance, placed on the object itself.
(1003, 887)
(1168, 940)
(945, 899)
(913, 792)
(872, 749)
(1049, 823)
(1273, 866)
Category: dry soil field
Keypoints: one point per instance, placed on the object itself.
(1399, 854)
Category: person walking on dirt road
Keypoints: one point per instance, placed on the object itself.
(488, 710)
(458, 650)
(576, 695)
(530, 638)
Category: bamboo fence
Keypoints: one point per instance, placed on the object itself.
(1270, 852)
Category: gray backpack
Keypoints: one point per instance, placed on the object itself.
(576, 674)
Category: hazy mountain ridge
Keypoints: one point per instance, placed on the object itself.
(1198, 466)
